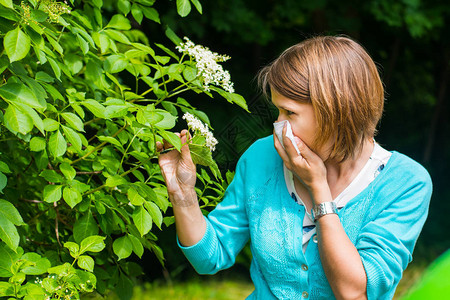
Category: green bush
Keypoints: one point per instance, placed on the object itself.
(79, 171)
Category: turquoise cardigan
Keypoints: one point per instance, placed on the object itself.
(383, 222)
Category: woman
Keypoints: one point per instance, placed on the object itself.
(337, 219)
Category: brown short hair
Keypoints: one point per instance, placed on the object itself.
(337, 76)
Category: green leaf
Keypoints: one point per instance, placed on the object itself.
(95, 107)
(142, 220)
(38, 265)
(172, 138)
(117, 36)
(74, 248)
(232, 97)
(52, 193)
(134, 197)
(3, 181)
(8, 233)
(71, 196)
(20, 93)
(146, 2)
(16, 44)
(151, 13)
(67, 170)
(155, 213)
(98, 3)
(37, 144)
(84, 46)
(124, 287)
(103, 42)
(61, 270)
(148, 117)
(51, 176)
(17, 121)
(115, 63)
(122, 247)
(183, 7)
(7, 3)
(137, 13)
(73, 63)
(110, 140)
(170, 107)
(37, 121)
(6, 288)
(50, 125)
(94, 243)
(73, 137)
(124, 6)
(115, 181)
(201, 155)
(197, 5)
(74, 121)
(4, 168)
(57, 144)
(119, 22)
(86, 262)
(172, 36)
(138, 249)
(168, 51)
(9, 258)
(85, 227)
(11, 212)
(55, 67)
(55, 45)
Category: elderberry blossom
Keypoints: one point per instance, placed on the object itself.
(207, 65)
(196, 125)
(55, 9)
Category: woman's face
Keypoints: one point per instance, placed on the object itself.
(302, 119)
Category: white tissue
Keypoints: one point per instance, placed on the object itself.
(278, 126)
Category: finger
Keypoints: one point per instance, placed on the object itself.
(188, 135)
(306, 152)
(290, 148)
(280, 148)
(185, 152)
(159, 146)
(168, 145)
(288, 145)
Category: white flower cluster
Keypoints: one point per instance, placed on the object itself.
(54, 9)
(207, 65)
(197, 125)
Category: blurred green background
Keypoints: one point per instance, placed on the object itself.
(409, 41)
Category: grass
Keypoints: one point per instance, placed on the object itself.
(411, 275)
(234, 288)
(195, 289)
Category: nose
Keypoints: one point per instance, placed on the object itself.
(280, 117)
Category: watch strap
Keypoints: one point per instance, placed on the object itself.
(323, 209)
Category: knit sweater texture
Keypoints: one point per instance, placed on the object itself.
(383, 222)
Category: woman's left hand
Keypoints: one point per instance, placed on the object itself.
(308, 166)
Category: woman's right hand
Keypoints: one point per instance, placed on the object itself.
(179, 171)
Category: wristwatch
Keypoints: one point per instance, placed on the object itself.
(323, 209)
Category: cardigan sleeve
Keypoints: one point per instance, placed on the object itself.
(386, 242)
(227, 229)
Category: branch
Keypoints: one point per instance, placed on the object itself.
(99, 146)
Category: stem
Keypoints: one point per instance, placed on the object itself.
(123, 174)
(90, 121)
(56, 223)
(129, 145)
(177, 88)
(171, 95)
(99, 146)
